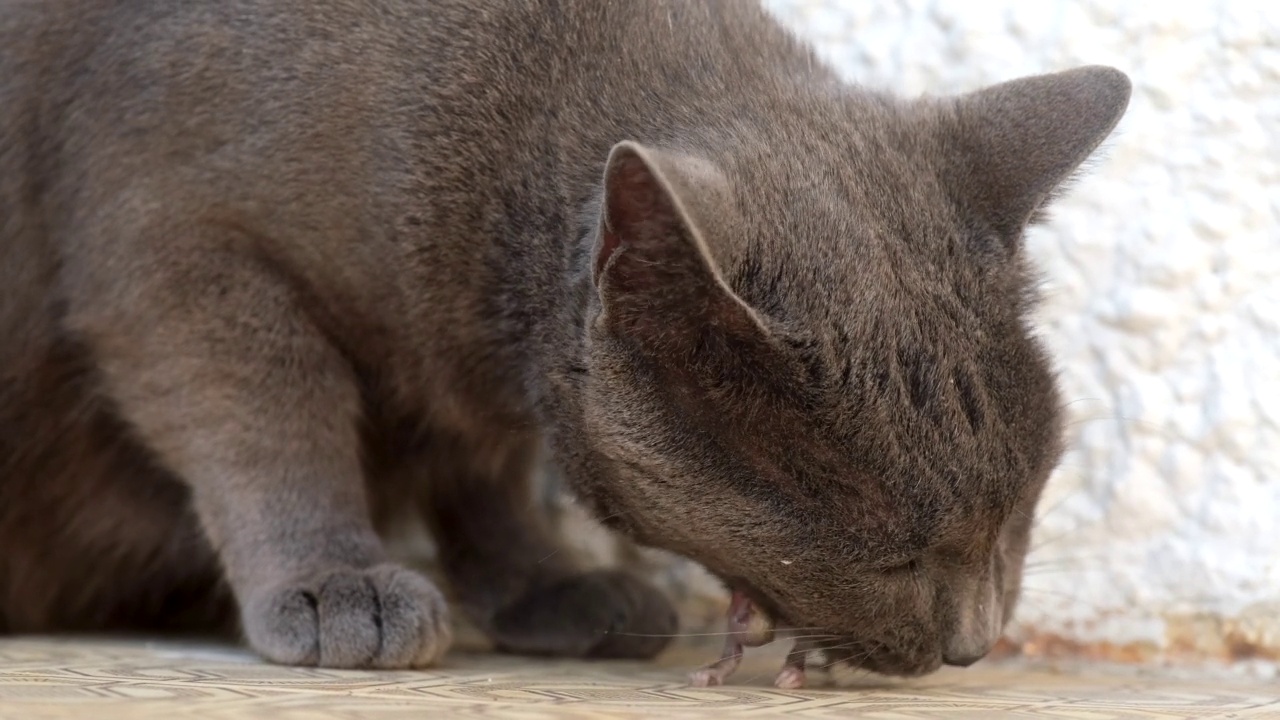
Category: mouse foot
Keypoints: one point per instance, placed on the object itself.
(792, 675)
(717, 672)
(747, 626)
(707, 677)
(790, 678)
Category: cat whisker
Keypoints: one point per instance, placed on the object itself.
(1145, 425)
(1082, 562)
(1042, 544)
(825, 636)
(1064, 568)
(1076, 599)
(1040, 516)
(669, 635)
(1067, 405)
(722, 633)
(851, 661)
(1068, 561)
(1194, 600)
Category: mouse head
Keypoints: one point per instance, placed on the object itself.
(808, 360)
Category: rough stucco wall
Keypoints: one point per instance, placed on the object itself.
(1159, 535)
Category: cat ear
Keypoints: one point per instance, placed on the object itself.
(657, 280)
(1015, 143)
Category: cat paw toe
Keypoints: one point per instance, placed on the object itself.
(379, 617)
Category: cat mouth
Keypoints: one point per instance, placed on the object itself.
(762, 602)
(829, 650)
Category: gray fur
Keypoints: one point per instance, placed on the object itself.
(272, 271)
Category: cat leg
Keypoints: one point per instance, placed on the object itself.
(518, 582)
(220, 371)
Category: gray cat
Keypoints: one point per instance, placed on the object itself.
(271, 271)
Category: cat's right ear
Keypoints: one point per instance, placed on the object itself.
(1012, 145)
(657, 280)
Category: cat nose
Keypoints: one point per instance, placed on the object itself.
(976, 627)
(965, 651)
(963, 660)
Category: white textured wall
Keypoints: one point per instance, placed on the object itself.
(1163, 301)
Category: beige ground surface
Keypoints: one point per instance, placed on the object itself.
(105, 679)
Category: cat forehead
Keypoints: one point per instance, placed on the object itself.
(832, 251)
(863, 153)
(843, 199)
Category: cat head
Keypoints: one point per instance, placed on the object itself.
(809, 364)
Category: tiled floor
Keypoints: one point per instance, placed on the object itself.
(102, 680)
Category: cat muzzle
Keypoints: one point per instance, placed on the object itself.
(979, 620)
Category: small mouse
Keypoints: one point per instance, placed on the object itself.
(749, 626)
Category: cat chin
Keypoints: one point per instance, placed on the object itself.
(894, 666)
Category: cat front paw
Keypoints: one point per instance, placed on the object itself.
(600, 614)
(380, 617)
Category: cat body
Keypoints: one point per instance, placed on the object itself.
(272, 272)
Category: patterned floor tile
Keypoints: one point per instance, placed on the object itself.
(42, 679)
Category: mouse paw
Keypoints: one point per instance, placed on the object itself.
(706, 677)
(790, 678)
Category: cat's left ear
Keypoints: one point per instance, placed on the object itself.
(1010, 146)
(658, 282)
